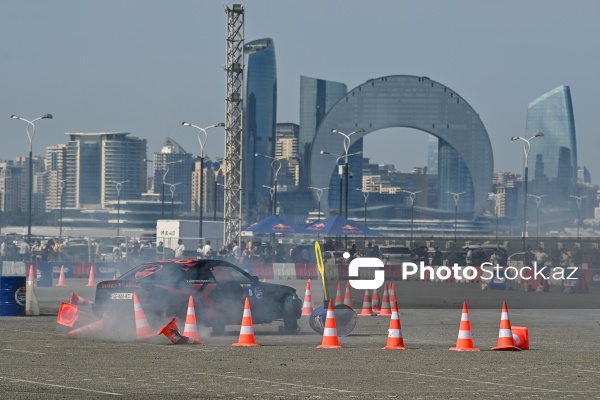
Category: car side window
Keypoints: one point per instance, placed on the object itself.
(197, 274)
(225, 273)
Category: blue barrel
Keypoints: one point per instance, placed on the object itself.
(12, 296)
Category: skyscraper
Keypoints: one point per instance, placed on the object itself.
(260, 116)
(175, 165)
(553, 157)
(95, 161)
(317, 96)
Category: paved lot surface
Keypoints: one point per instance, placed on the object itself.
(39, 360)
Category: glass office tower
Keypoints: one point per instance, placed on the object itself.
(260, 116)
(553, 157)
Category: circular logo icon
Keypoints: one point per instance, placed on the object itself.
(20, 296)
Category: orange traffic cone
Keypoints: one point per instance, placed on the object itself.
(348, 296)
(307, 306)
(392, 293)
(366, 307)
(506, 342)
(142, 327)
(264, 279)
(385, 304)
(465, 340)
(521, 336)
(114, 278)
(375, 301)
(89, 328)
(80, 301)
(31, 278)
(395, 339)
(68, 314)
(92, 277)
(339, 299)
(330, 336)
(61, 277)
(191, 327)
(247, 330)
(171, 331)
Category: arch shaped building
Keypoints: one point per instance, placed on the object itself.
(411, 102)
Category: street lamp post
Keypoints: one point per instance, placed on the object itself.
(538, 201)
(271, 193)
(172, 187)
(319, 195)
(346, 167)
(412, 211)
(119, 185)
(276, 167)
(456, 199)
(496, 212)
(165, 172)
(202, 142)
(216, 166)
(578, 199)
(30, 135)
(526, 148)
(366, 200)
(62, 191)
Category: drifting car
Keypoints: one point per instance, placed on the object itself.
(218, 287)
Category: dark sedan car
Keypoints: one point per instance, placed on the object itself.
(219, 289)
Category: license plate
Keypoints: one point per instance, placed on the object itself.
(121, 296)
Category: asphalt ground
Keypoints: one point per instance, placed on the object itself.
(38, 360)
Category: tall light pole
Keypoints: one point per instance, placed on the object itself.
(538, 201)
(119, 185)
(496, 212)
(412, 212)
(216, 167)
(271, 193)
(62, 191)
(30, 135)
(276, 167)
(346, 167)
(456, 199)
(202, 136)
(578, 199)
(345, 173)
(526, 148)
(172, 187)
(319, 195)
(165, 172)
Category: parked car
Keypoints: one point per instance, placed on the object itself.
(393, 254)
(219, 289)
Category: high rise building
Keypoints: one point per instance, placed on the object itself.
(13, 187)
(173, 166)
(317, 97)
(56, 175)
(286, 150)
(96, 161)
(453, 176)
(260, 116)
(553, 157)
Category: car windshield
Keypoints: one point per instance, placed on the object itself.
(395, 250)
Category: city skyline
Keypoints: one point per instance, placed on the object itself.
(138, 71)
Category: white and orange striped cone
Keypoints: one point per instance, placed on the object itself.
(92, 277)
(61, 277)
(191, 326)
(395, 340)
(465, 339)
(31, 277)
(339, 299)
(330, 336)
(87, 329)
(392, 293)
(375, 301)
(506, 342)
(385, 304)
(348, 296)
(68, 314)
(307, 306)
(247, 329)
(367, 311)
(80, 301)
(142, 327)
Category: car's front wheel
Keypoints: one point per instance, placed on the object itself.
(290, 322)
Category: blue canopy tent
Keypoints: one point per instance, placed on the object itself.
(339, 226)
(274, 224)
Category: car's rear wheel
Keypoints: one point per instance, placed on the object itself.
(290, 322)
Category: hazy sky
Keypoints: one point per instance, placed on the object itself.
(145, 66)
